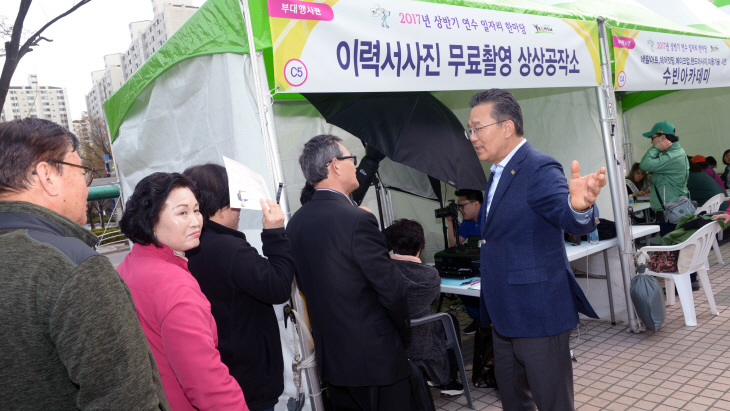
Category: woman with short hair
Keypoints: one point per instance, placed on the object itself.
(243, 286)
(163, 220)
(426, 344)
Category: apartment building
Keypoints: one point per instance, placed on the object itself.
(105, 82)
(47, 102)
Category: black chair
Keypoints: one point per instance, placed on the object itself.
(451, 342)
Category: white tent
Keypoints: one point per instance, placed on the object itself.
(195, 101)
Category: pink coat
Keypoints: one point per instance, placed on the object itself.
(715, 176)
(175, 316)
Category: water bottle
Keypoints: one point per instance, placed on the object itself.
(593, 237)
(631, 200)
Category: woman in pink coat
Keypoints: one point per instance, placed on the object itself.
(163, 221)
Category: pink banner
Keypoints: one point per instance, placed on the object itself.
(303, 10)
(624, 42)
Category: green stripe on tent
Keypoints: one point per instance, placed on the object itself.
(217, 27)
(632, 100)
(721, 3)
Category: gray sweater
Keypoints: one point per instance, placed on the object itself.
(69, 336)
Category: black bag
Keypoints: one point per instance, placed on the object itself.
(422, 399)
(606, 231)
(483, 366)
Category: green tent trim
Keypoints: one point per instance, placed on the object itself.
(721, 3)
(632, 100)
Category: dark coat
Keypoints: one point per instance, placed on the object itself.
(355, 295)
(242, 287)
(426, 344)
(528, 288)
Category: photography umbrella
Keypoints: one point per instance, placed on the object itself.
(411, 128)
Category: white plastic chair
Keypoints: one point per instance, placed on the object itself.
(712, 206)
(702, 242)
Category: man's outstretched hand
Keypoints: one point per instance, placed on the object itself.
(584, 190)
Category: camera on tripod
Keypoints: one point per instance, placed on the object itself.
(451, 210)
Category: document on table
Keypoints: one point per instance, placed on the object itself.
(245, 186)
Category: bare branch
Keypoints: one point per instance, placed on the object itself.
(34, 38)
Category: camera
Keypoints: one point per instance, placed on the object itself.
(450, 210)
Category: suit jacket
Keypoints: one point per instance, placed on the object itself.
(355, 294)
(528, 288)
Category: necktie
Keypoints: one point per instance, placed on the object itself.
(486, 193)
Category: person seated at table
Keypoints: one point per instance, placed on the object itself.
(469, 204)
(701, 186)
(726, 174)
(707, 168)
(163, 220)
(636, 185)
(425, 344)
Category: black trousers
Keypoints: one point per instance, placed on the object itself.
(393, 397)
(534, 372)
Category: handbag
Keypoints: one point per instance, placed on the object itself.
(677, 208)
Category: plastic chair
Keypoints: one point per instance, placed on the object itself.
(451, 342)
(702, 242)
(712, 206)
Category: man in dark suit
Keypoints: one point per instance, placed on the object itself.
(355, 295)
(529, 292)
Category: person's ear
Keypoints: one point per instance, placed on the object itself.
(509, 128)
(48, 178)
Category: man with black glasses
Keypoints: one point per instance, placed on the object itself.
(69, 337)
(356, 298)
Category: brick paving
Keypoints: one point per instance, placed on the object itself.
(676, 368)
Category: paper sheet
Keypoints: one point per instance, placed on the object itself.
(245, 186)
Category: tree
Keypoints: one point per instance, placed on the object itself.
(14, 51)
(94, 144)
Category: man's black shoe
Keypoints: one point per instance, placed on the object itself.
(695, 285)
(471, 328)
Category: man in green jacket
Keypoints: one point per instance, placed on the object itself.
(69, 336)
(667, 162)
(668, 165)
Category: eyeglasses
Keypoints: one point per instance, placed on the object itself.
(88, 171)
(656, 136)
(461, 206)
(354, 160)
(469, 131)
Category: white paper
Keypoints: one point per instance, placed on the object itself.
(245, 186)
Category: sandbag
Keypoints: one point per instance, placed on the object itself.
(648, 299)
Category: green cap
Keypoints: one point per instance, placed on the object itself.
(662, 127)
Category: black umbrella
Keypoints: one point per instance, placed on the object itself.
(411, 128)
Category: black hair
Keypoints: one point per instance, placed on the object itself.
(723, 157)
(406, 237)
(504, 107)
(142, 212)
(672, 137)
(307, 193)
(211, 180)
(711, 161)
(471, 195)
(27, 142)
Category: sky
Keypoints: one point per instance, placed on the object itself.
(80, 41)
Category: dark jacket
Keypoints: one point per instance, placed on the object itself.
(69, 335)
(242, 286)
(426, 344)
(355, 295)
(702, 187)
(528, 288)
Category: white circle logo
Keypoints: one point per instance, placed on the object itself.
(295, 72)
(621, 79)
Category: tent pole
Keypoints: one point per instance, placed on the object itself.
(614, 166)
(268, 130)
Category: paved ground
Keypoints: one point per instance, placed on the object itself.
(676, 368)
